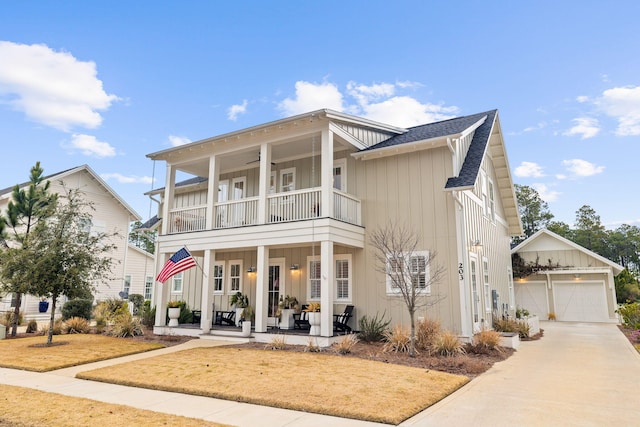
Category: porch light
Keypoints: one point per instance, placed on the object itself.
(294, 267)
(476, 244)
(251, 270)
(577, 276)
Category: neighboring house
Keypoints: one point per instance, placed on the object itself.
(112, 214)
(285, 208)
(573, 283)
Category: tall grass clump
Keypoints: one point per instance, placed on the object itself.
(397, 340)
(345, 344)
(448, 344)
(76, 325)
(427, 331)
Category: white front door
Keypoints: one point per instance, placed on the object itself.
(276, 288)
(475, 295)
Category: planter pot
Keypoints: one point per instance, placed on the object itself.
(246, 328)
(174, 314)
(286, 318)
(314, 322)
(239, 312)
(43, 306)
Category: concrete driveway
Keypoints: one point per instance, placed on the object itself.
(578, 374)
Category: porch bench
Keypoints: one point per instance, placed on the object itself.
(225, 317)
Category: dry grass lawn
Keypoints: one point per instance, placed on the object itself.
(30, 354)
(27, 407)
(320, 383)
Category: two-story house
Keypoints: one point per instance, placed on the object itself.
(286, 207)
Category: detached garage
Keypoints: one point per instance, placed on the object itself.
(555, 275)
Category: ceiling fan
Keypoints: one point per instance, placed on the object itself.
(255, 161)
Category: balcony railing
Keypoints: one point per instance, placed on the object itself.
(282, 207)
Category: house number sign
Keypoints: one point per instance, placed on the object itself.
(461, 271)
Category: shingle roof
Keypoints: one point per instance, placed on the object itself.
(149, 224)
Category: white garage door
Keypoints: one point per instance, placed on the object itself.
(580, 301)
(533, 297)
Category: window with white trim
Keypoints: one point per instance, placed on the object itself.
(176, 284)
(126, 286)
(413, 270)
(512, 296)
(148, 287)
(342, 280)
(491, 200)
(235, 276)
(218, 277)
(487, 286)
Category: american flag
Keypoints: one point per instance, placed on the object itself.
(180, 261)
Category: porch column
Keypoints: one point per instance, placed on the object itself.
(265, 178)
(326, 288)
(206, 304)
(326, 177)
(167, 202)
(212, 191)
(161, 294)
(262, 289)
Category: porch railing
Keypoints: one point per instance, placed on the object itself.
(290, 206)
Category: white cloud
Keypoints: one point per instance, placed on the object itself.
(585, 127)
(236, 110)
(178, 140)
(528, 170)
(90, 146)
(582, 168)
(122, 179)
(311, 96)
(52, 88)
(582, 99)
(546, 193)
(377, 102)
(623, 104)
(561, 176)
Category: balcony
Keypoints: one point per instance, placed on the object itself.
(296, 205)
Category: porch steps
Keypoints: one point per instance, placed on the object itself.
(226, 336)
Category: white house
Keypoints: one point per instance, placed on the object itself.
(286, 207)
(568, 280)
(133, 269)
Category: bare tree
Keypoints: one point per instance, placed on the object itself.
(410, 272)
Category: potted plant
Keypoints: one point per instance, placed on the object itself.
(313, 310)
(287, 307)
(43, 306)
(174, 312)
(247, 316)
(240, 301)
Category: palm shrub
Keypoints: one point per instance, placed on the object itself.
(125, 325)
(109, 309)
(630, 313)
(427, 331)
(397, 340)
(448, 344)
(77, 308)
(76, 325)
(373, 328)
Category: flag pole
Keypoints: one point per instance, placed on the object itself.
(196, 261)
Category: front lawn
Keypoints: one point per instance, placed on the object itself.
(321, 383)
(31, 354)
(28, 407)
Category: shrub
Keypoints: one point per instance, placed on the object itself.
(101, 325)
(447, 344)
(137, 301)
(76, 325)
(635, 336)
(147, 314)
(106, 311)
(7, 319)
(57, 328)
(373, 328)
(486, 339)
(277, 343)
(125, 325)
(32, 326)
(630, 313)
(345, 344)
(397, 340)
(77, 308)
(312, 346)
(427, 331)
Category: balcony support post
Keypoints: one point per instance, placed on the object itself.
(212, 191)
(167, 205)
(265, 177)
(326, 177)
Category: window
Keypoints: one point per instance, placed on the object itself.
(126, 286)
(287, 180)
(176, 286)
(314, 279)
(342, 279)
(235, 276)
(412, 269)
(491, 209)
(512, 297)
(148, 287)
(218, 278)
(475, 298)
(487, 287)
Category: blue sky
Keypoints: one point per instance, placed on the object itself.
(105, 83)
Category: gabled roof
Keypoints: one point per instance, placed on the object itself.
(151, 224)
(522, 247)
(87, 169)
